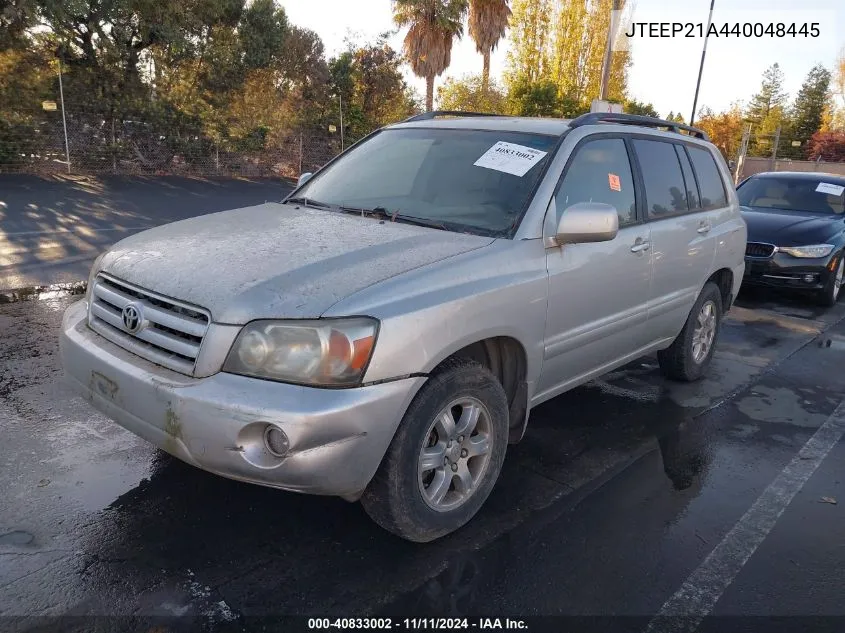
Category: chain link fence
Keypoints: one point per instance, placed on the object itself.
(145, 145)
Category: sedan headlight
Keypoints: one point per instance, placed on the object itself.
(324, 352)
(813, 251)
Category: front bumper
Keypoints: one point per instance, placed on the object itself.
(784, 271)
(337, 436)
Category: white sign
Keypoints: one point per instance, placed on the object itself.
(605, 106)
(48, 106)
(829, 188)
(510, 158)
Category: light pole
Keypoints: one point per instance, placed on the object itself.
(701, 66)
(608, 53)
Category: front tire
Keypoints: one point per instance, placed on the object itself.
(445, 457)
(690, 354)
(829, 295)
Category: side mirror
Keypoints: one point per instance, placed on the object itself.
(585, 222)
(304, 178)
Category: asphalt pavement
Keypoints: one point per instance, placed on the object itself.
(624, 493)
(629, 498)
(52, 228)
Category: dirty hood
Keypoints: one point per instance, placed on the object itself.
(276, 261)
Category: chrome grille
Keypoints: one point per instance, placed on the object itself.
(171, 334)
(759, 249)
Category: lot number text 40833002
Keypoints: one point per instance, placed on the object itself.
(417, 624)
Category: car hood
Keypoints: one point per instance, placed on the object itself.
(790, 228)
(276, 261)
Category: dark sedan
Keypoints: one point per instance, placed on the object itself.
(796, 231)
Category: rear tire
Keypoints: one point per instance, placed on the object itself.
(689, 356)
(829, 295)
(445, 457)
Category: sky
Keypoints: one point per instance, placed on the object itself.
(664, 71)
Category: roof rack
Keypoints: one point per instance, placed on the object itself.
(635, 119)
(427, 116)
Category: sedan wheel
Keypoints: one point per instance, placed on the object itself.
(830, 293)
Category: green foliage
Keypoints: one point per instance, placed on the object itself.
(676, 117)
(262, 33)
(542, 99)
(368, 80)
(468, 95)
(633, 106)
(810, 104)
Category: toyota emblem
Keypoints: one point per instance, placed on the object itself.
(133, 318)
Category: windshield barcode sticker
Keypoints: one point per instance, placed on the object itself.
(510, 158)
(829, 188)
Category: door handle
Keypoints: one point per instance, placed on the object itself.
(704, 227)
(640, 245)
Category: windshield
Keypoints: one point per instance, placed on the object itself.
(793, 194)
(470, 180)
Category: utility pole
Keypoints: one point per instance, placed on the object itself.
(775, 149)
(743, 150)
(340, 98)
(701, 66)
(64, 119)
(608, 52)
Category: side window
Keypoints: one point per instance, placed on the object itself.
(664, 183)
(689, 179)
(600, 172)
(713, 194)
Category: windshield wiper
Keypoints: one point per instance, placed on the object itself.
(308, 202)
(381, 212)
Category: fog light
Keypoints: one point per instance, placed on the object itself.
(809, 278)
(276, 441)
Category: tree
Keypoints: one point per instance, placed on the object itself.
(640, 107)
(724, 129)
(470, 94)
(261, 33)
(16, 16)
(810, 104)
(677, 118)
(541, 98)
(433, 27)
(828, 146)
(528, 59)
(488, 21)
(369, 80)
(771, 94)
(578, 48)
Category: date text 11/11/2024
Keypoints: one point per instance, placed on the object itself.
(417, 624)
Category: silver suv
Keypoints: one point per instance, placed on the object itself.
(384, 332)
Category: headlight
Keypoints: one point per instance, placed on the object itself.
(327, 352)
(95, 268)
(813, 251)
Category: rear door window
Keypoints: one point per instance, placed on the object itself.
(689, 179)
(664, 181)
(713, 195)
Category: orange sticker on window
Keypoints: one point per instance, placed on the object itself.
(614, 182)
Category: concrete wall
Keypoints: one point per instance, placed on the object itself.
(756, 165)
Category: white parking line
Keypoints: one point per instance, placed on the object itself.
(683, 612)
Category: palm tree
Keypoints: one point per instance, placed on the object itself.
(488, 21)
(434, 24)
